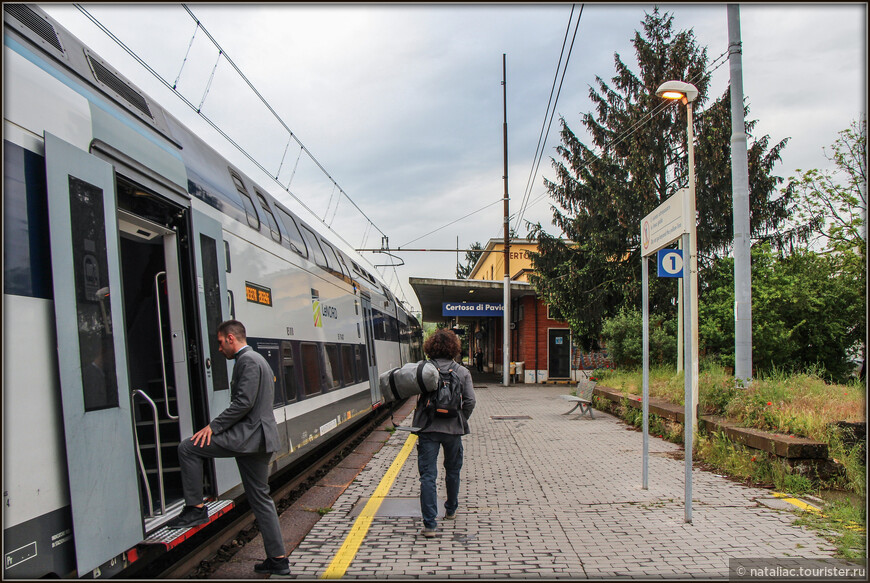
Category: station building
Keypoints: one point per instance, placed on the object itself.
(541, 346)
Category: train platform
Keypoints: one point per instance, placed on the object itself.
(544, 495)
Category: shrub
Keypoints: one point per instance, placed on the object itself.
(623, 334)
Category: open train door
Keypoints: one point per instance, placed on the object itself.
(212, 297)
(92, 356)
(370, 348)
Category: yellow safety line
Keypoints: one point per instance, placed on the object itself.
(347, 552)
(851, 525)
(795, 502)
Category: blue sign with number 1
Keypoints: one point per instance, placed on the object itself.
(670, 263)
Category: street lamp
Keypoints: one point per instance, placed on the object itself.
(687, 93)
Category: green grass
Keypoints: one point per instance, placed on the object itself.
(842, 523)
(798, 405)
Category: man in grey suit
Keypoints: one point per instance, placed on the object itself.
(246, 431)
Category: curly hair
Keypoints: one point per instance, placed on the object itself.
(442, 344)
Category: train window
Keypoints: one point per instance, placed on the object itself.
(333, 366)
(250, 211)
(271, 352)
(314, 247)
(26, 256)
(296, 242)
(347, 361)
(343, 264)
(89, 250)
(213, 312)
(288, 377)
(227, 253)
(361, 368)
(310, 364)
(270, 218)
(331, 256)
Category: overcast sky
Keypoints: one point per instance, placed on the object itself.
(402, 105)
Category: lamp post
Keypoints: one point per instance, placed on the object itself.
(686, 93)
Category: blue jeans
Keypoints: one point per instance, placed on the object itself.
(428, 445)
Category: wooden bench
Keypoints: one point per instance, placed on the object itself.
(583, 400)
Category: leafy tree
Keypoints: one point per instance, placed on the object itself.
(636, 161)
(471, 257)
(834, 203)
(806, 311)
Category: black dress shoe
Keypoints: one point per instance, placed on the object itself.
(274, 566)
(190, 516)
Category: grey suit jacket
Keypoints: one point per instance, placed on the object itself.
(248, 425)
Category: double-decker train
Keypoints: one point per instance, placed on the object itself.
(127, 240)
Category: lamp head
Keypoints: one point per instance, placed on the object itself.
(678, 90)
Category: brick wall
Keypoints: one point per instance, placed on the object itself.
(527, 332)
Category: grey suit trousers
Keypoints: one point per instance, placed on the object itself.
(254, 470)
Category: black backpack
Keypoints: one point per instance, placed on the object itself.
(446, 400)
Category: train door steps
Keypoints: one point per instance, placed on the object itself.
(172, 537)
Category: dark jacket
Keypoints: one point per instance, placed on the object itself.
(248, 424)
(455, 425)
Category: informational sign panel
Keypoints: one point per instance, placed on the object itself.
(472, 309)
(670, 262)
(665, 224)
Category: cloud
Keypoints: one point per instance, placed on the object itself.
(402, 104)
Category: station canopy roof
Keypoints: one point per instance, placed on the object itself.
(432, 293)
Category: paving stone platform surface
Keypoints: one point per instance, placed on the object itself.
(555, 496)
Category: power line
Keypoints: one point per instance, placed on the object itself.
(173, 87)
(643, 121)
(277, 117)
(539, 150)
(454, 221)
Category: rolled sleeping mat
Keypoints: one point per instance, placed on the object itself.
(412, 379)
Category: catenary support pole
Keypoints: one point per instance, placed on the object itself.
(506, 343)
(740, 203)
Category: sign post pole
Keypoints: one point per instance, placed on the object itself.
(671, 221)
(645, 278)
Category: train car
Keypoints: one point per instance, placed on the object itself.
(127, 240)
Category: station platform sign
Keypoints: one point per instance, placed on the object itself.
(473, 309)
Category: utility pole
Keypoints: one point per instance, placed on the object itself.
(740, 204)
(507, 241)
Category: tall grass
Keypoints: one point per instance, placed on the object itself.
(801, 405)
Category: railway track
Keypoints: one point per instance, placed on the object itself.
(199, 556)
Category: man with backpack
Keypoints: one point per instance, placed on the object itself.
(442, 416)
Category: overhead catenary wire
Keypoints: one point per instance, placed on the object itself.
(499, 200)
(278, 117)
(542, 137)
(645, 119)
(198, 109)
(186, 55)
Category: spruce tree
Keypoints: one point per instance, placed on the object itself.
(636, 161)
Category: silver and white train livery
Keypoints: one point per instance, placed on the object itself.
(127, 240)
